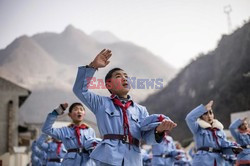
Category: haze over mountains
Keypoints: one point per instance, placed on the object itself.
(46, 63)
(222, 75)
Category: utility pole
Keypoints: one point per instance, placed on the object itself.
(227, 11)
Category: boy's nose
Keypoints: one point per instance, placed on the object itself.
(124, 78)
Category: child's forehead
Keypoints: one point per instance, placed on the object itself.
(78, 106)
(117, 72)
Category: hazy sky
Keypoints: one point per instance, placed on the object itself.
(176, 30)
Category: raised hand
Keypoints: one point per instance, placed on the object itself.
(61, 108)
(166, 125)
(101, 60)
(244, 119)
(64, 106)
(209, 105)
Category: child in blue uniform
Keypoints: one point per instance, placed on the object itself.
(165, 152)
(146, 157)
(209, 137)
(38, 156)
(241, 132)
(118, 117)
(78, 138)
(182, 158)
(55, 150)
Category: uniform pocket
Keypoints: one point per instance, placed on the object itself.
(112, 113)
(135, 118)
(70, 138)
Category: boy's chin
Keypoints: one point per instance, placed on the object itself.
(78, 120)
(125, 91)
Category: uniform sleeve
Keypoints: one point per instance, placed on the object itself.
(226, 143)
(47, 126)
(234, 128)
(149, 136)
(92, 140)
(191, 118)
(81, 89)
(41, 142)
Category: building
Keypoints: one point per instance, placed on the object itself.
(240, 115)
(12, 96)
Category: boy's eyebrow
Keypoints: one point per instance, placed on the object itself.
(117, 74)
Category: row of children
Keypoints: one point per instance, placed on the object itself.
(211, 150)
(212, 146)
(123, 123)
(167, 153)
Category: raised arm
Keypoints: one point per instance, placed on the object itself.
(234, 128)
(84, 77)
(191, 118)
(51, 118)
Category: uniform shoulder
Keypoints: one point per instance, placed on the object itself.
(141, 107)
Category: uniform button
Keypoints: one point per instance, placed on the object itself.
(112, 113)
(123, 102)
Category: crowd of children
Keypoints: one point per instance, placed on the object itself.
(124, 124)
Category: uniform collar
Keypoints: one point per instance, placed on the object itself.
(215, 124)
(72, 125)
(113, 96)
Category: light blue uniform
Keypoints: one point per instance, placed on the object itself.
(38, 156)
(241, 138)
(204, 138)
(166, 147)
(230, 160)
(68, 137)
(51, 149)
(34, 159)
(146, 158)
(183, 159)
(110, 121)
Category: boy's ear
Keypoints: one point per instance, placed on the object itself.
(69, 114)
(108, 85)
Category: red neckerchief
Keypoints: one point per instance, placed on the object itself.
(125, 117)
(213, 130)
(58, 149)
(77, 131)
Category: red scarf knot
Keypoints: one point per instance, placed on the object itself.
(124, 107)
(213, 130)
(78, 131)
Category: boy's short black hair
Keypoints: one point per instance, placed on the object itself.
(75, 104)
(109, 75)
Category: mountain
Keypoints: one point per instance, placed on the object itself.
(105, 37)
(71, 47)
(74, 47)
(221, 75)
(46, 63)
(25, 62)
